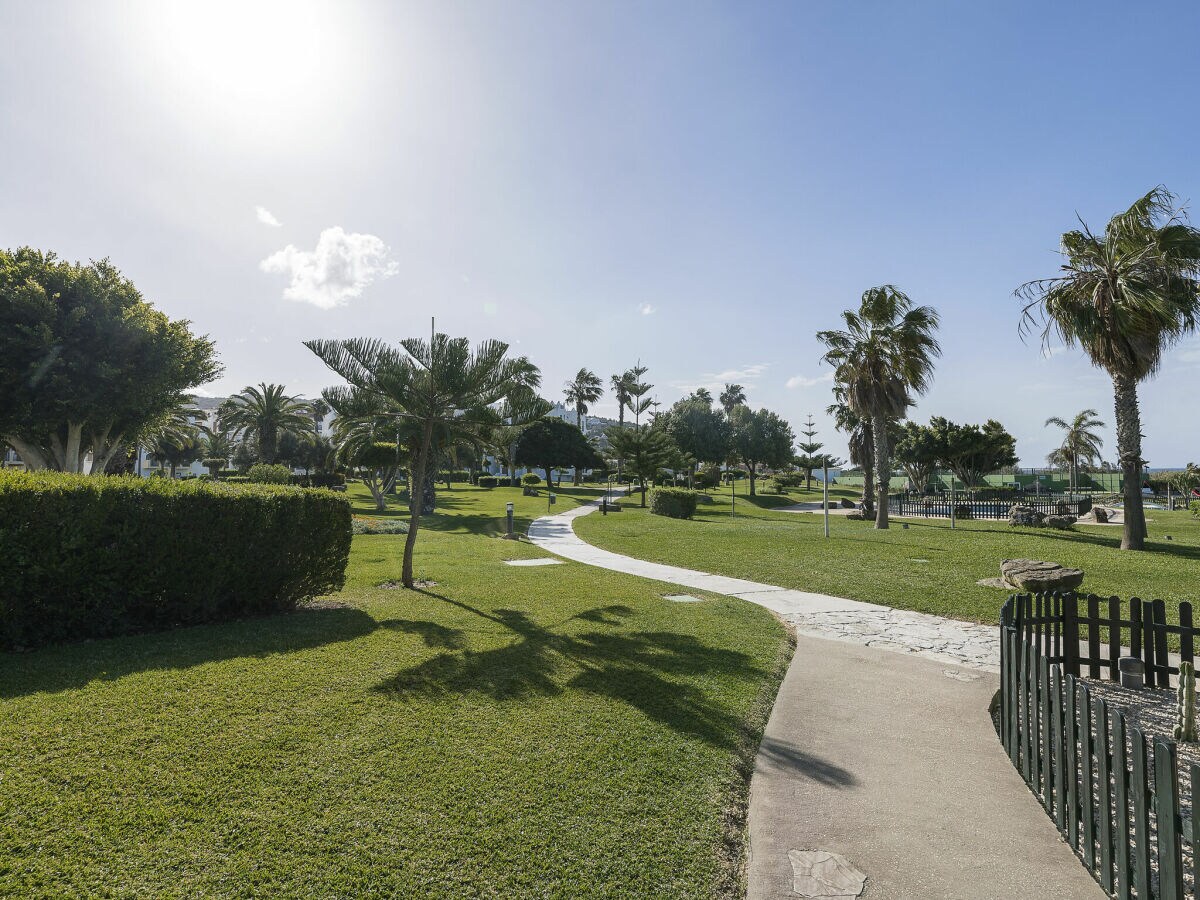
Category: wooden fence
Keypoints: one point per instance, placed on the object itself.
(966, 507)
(1112, 791)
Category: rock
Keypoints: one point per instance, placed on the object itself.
(1100, 515)
(1038, 577)
(823, 875)
(857, 516)
(1025, 515)
(1062, 522)
(847, 503)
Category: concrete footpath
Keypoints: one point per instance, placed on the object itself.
(880, 774)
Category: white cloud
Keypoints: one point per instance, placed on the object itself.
(265, 217)
(647, 310)
(340, 267)
(715, 381)
(797, 381)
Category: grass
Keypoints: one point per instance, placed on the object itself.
(929, 567)
(508, 732)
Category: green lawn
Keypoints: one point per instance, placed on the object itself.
(509, 732)
(927, 567)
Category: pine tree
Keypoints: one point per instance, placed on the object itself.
(809, 460)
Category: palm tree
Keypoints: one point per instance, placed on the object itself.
(1080, 443)
(216, 448)
(581, 391)
(882, 358)
(1125, 296)
(620, 389)
(435, 386)
(733, 395)
(261, 414)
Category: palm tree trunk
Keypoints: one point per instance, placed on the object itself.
(416, 499)
(1129, 451)
(266, 445)
(883, 473)
(577, 479)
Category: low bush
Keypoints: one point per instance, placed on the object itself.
(1194, 506)
(459, 476)
(788, 479)
(491, 481)
(676, 503)
(530, 480)
(88, 557)
(236, 479)
(364, 525)
(261, 473)
(320, 480)
(708, 477)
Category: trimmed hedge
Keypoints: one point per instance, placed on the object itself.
(530, 480)
(491, 481)
(677, 503)
(262, 473)
(88, 556)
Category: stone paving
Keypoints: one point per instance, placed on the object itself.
(820, 615)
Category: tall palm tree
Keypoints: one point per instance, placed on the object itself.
(216, 447)
(1081, 443)
(733, 395)
(581, 391)
(884, 356)
(620, 389)
(433, 386)
(1125, 296)
(261, 414)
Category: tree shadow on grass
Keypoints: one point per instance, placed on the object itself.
(640, 668)
(72, 666)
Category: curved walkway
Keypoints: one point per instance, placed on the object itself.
(879, 775)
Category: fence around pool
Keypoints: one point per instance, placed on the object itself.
(1112, 790)
(966, 507)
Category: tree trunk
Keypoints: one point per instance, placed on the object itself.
(33, 458)
(266, 445)
(577, 476)
(1129, 452)
(868, 495)
(416, 497)
(883, 469)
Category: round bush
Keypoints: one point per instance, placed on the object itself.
(530, 480)
(676, 503)
(261, 473)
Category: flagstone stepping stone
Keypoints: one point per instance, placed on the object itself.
(1036, 576)
(543, 561)
(823, 875)
(682, 598)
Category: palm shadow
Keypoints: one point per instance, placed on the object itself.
(641, 668)
(71, 666)
(782, 756)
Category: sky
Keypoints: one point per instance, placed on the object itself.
(698, 186)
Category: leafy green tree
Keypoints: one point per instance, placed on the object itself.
(734, 395)
(551, 443)
(645, 450)
(379, 463)
(700, 431)
(883, 356)
(87, 365)
(972, 451)
(1081, 444)
(760, 438)
(435, 386)
(1125, 296)
(918, 450)
(518, 411)
(261, 414)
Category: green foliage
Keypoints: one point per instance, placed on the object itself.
(644, 450)
(708, 477)
(378, 455)
(261, 473)
(698, 429)
(760, 438)
(491, 481)
(972, 451)
(154, 553)
(262, 415)
(364, 525)
(86, 364)
(676, 503)
(457, 476)
(551, 443)
(530, 480)
(1194, 506)
(1185, 705)
(918, 450)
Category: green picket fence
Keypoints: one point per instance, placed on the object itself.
(1112, 791)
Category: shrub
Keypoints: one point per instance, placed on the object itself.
(708, 477)
(92, 557)
(491, 481)
(261, 473)
(236, 479)
(320, 480)
(530, 480)
(1194, 506)
(363, 525)
(788, 479)
(677, 503)
(459, 476)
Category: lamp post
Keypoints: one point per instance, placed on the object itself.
(825, 492)
(508, 514)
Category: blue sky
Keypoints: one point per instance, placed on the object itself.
(701, 186)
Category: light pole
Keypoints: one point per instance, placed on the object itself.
(825, 492)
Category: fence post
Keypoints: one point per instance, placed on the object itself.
(1014, 739)
(1121, 785)
(1087, 799)
(1060, 750)
(1093, 607)
(1071, 633)
(1160, 644)
(1045, 751)
(1166, 808)
(1140, 785)
(1147, 640)
(1072, 774)
(1186, 637)
(1104, 799)
(1114, 638)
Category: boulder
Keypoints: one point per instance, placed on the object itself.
(847, 503)
(1025, 515)
(857, 516)
(1100, 515)
(1061, 522)
(1037, 577)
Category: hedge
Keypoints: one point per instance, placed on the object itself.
(676, 503)
(491, 481)
(89, 556)
(262, 473)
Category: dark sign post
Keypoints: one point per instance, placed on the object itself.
(508, 513)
